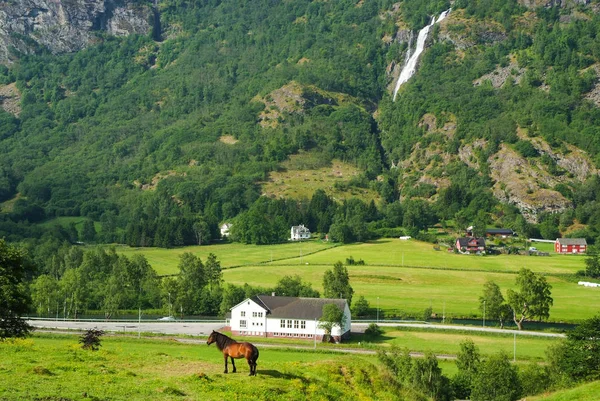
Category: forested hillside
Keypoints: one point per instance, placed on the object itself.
(155, 140)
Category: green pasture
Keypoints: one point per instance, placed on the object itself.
(385, 252)
(584, 392)
(447, 342)
(448, 282)
(55, 367)
(422, 254)
(165, 261)
(411, 290)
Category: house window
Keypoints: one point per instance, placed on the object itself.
(260, 314)
(253, 314)
(303, 324)
(296, 324)
(242, 324)
(282, 324)
(243, 313)
(289, 324)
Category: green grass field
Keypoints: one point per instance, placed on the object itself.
(413, 289)
(54, 367)
(401, 276)
(165, 261)
(584, 392)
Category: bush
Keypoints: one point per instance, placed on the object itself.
(373, 330)
(91, 339)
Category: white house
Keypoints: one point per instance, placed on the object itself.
(225, 229)
(275, 316)
(298, 233)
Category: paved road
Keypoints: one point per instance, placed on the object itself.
(173, 328)
(204, 328)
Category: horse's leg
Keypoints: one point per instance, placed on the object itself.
(233, 364)
(250, 364)
(225, 355)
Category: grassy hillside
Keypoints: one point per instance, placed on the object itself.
(584, 392)
(443, 280)
(47, 367)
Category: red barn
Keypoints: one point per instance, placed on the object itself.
(570, 245)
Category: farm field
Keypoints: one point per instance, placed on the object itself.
(413, 289)
(446, 342)
(165, 261)
(55, 367)
(403, 277)
(384, 252)
(422, 254)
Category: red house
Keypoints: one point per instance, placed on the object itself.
(470, 245)
(570, 245)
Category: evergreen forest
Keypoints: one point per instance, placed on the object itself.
(156, 140)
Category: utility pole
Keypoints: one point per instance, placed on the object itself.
(484, 313)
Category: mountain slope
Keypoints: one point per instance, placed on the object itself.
(130, 131)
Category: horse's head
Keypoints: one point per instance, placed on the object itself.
(212, 338)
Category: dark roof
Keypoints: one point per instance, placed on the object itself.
(571, 241)
(296, 307)
(463, 242)
(502, 231)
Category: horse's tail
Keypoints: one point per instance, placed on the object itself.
(254, 355)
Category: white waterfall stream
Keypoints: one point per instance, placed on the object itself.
(410, 66)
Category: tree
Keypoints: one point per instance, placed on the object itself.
(45, 292)
(212, 271)
(532, 299)
(88, 231)
(361, 307)
(496, 380)
(467, 362)
(592, 264)
(15, 302)
(492, 303)
(190, 282)
(201, 231)
(293, 286)
(336, 283)
(427, 377)
(332, 317)
(578, 357)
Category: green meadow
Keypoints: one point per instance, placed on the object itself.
(165, 261)
(401, 277)
(54, 367)
(584, 392)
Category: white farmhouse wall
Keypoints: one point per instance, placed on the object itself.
(252, 314)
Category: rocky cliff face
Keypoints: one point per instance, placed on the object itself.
(64, 26)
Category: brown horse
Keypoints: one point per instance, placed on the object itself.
(233, 349)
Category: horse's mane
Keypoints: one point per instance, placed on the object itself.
(223, 341)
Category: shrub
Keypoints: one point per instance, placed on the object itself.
(373, 330)
(91, 339)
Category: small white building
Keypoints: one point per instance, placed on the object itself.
(225, 229)
(295, 317)
(298, 233)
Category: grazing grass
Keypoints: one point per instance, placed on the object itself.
(165, 261)
(404, 277)
(584, 392)
(303, 174)
(417, 253)
(56, 368)
(384, 252)
(411, 290)
(447, 342)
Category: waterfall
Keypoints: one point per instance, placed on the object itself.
(410, 65)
